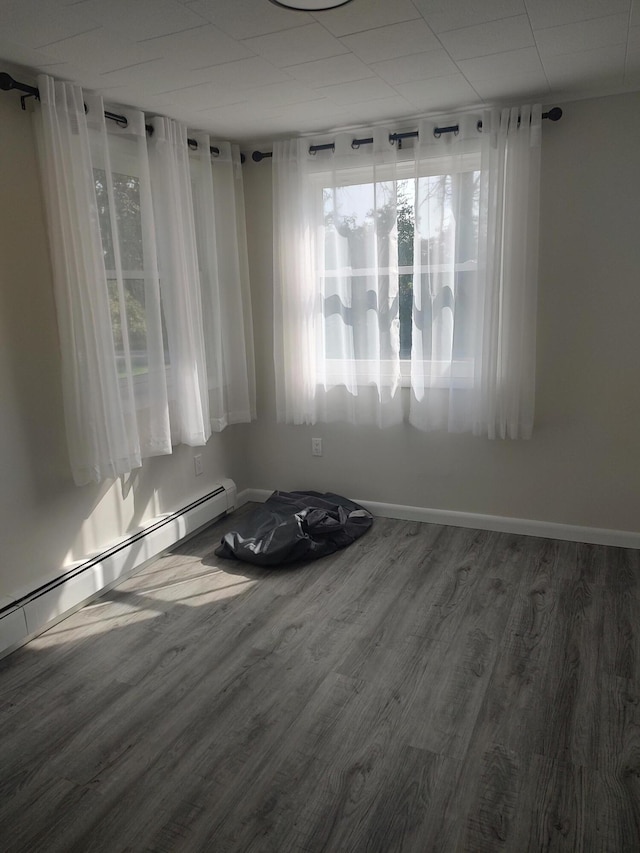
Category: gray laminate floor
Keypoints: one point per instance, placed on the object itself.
(427, 689)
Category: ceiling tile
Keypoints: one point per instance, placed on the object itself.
(70, 72)
(320, 114)
(371, 89)
(12, 52)
(392, 41)
(442, 15)
(385, 109)
(233, 112)
(497, 66)
(552, 13)
(243, 19)
(579, 70)
(353, 18)
(202, 95)
(246, 73)
(162, 104)
(237, 123)
(35, 23)
(142, 19)
(516, 87)
(291, 47)
(493, 37)
(324, 72)
(582, 35)
(200, 47)
(156, 76)
(102, 50)
(282, 94)
(418, 66)
(443, 93)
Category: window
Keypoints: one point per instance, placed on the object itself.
(358, 308)
(128, 310)
(128, 291)
(407, 251)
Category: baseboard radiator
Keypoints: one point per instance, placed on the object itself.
(30, 612)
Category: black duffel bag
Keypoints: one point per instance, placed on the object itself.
(293, 526)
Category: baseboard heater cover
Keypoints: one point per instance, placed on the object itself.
(31, 612)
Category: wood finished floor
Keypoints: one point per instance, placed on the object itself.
(427, 689)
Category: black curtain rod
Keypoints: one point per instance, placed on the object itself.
(7, 83)
(554, 114)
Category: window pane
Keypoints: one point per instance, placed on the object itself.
(405, 312)
(446, 207)
(406, 226)
(360, 270)
(125, 195)
(447, 227)
(102, 197)
(135, 326)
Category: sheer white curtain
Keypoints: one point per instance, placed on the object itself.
(180, 281)
(508, 258)
(224, 277)
(128, 289)
(346, 337)
(94, 292)
(336, 282)
(475, 275)
(445, 323)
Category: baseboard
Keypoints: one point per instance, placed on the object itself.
(258, 496)
(29, 612)
(499, 523)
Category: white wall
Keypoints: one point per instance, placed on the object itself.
(45, 520)
(583, 465)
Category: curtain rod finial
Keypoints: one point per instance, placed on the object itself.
(6, 81)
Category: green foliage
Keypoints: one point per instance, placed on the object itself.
(122, 200)
(135, 316)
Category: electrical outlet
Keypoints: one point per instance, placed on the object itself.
(316, 447)
(197, 464)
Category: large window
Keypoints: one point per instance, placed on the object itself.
(409, 264)
(145, 361)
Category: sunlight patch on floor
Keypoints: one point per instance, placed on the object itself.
(195, 592)
(122, 608)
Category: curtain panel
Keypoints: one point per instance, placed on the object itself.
(143, 283)
(410, 266)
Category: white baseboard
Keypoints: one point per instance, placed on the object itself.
(258, 496)
(29, 612)
(499, 523)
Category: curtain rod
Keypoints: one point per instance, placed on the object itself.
(7, 83)
(554, 114)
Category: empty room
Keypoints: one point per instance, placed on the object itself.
(320, 383)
